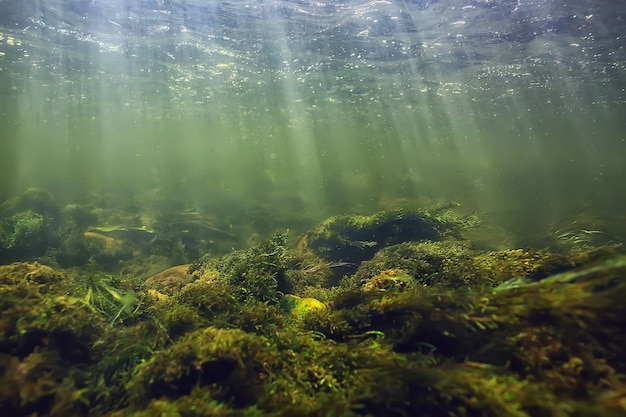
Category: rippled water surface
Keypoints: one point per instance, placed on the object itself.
(302, 109)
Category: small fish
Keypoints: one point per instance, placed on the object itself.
(362, 244)
(336, 264)
(339, 264)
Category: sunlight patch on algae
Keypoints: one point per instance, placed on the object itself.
(300, 306)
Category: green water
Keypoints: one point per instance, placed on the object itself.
(282, 113)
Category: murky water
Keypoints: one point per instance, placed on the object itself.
(278, 113)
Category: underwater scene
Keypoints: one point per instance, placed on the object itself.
(284, 208)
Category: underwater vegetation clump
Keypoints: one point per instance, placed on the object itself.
(422, 323)
(353, 238)
(106, 238)
(345, 241)
(258, 272)
(28, 225)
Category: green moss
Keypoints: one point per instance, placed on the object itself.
(47, 342)
(353, 238)
(423, 328)
(177, 319)
(209, 297)
(34, 313)
(24, 235)
(225, 362)
(258, 272)
(446, 264)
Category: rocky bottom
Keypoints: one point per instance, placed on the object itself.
(394, 314)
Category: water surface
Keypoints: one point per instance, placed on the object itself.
(277, 111)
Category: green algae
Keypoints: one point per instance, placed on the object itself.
(433, 328)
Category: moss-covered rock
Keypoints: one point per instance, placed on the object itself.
(259, 272)
(352, 239)
(447, 264)
(35, 313)
(77, 250)
(24, 235)
(29, 224)
(456, 265)
(35, 200)
(428, 327)
(225, 362)
(47, 339)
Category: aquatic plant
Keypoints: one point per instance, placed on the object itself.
(352, 239)
(47, 339)
(106, 299)
(258, 272)
(24, 234)
(432, 328)
(446, 264)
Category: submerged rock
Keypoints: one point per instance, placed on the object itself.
(33, 199)
(228, 359)
(47, 340)
(29, 224)
(349, 240)
(422, 328)
(24, 235)
(259, 272)
(170, 280)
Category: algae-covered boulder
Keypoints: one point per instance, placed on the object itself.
(353, 238)
(226, 362)
(446, 264)
(36, 312)
(259, 272)
(213, 299)
(25, 234)
(456, 265)
(346, 240)
(47, 339)
(34, 199)
(29, 224)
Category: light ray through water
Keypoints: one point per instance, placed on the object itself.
(508, 107)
